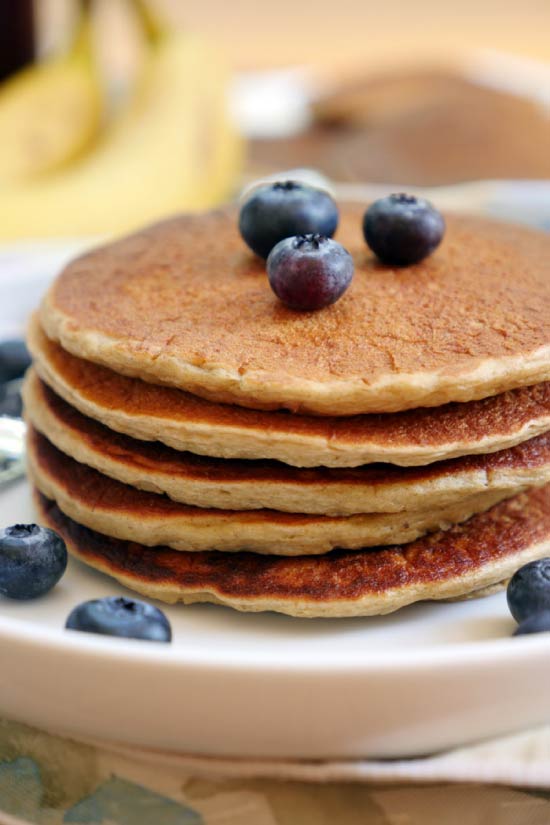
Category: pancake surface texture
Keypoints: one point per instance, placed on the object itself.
(124, 512)
(242, 485)
(186, 304)
(466, 559)
(185, 422)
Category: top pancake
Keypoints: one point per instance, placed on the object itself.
(185, 303)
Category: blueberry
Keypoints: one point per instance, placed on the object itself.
(118, 616)
(281, 210)
(309, 271)
(14, 360)
(10, 400)
(402, 229)
(32, 560)
(537, 623)
(528, 591)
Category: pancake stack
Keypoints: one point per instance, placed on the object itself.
(199, 441)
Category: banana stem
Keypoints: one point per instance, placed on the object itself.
(152, 25)
(82, 41)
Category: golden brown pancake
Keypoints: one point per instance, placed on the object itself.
(463, 560)
(117, 510)
(186, 422)
(184, 303)
(420, 127)
(234, 484)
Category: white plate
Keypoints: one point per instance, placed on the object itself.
(429, 677)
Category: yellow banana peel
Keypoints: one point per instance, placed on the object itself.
(172, 148)
(50, 113)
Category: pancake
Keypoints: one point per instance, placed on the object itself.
(186, 422)
(464, 560)
(117, 510)
(234, 484)
(185, 303)
(422, 127)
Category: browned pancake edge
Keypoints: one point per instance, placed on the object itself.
(485, 550)
(140, 456)
(408, 438)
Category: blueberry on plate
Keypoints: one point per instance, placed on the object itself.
(32, 560)
(537, 623)
(118, 616)
(11, 403)
(528, 591)
(281, 210)
(14, 360)
(309, 271)
(402, 230)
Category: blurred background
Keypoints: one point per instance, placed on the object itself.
(117, 112)
(353, 34)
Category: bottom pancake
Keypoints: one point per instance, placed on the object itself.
(467, 558)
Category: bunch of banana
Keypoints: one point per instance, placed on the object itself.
(50, 113)
(172, 147)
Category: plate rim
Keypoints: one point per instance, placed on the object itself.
(489, 652)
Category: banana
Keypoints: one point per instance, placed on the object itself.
(222, 151)
(172, 148)
(50, 113)
(225, 158)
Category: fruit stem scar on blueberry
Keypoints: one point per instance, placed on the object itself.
(315, 240)
(286, 185)
(127, 604)
(21, 531)
(402, 197)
